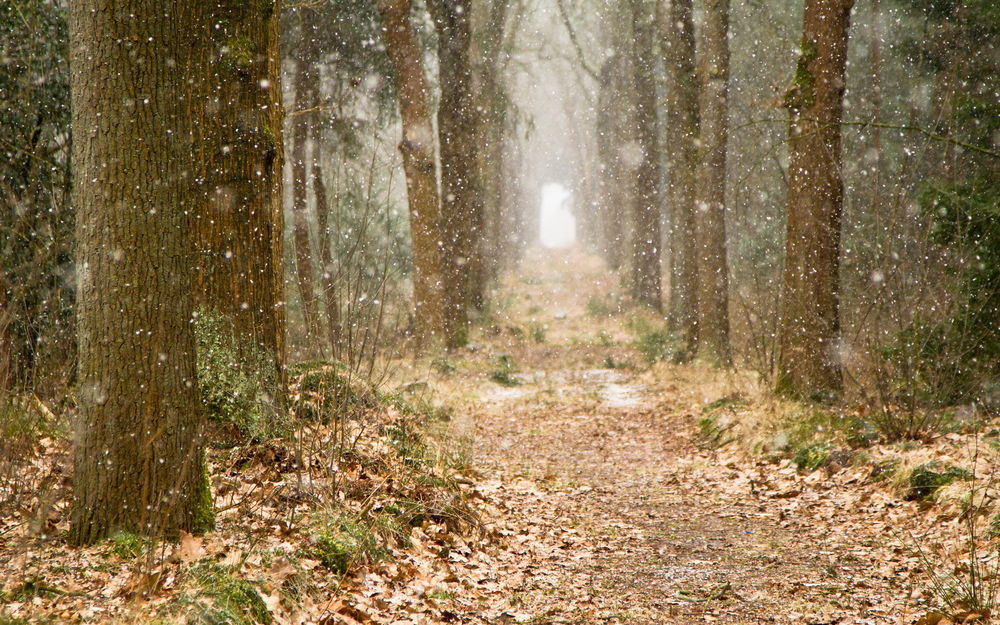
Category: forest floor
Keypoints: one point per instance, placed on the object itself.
(574, 482)
(622, 510)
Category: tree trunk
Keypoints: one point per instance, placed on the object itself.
(304, 275)
(713, 270)
(677, 32)
(417, 148)
(328, 284)
(487, 83)
(138, 76)
(461, 205)
(809, 363)
(646, 209)
(239, 243)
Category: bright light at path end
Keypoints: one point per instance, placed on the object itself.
(557, 223)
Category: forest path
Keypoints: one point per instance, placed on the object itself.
(619, 515)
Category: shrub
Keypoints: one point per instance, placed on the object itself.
(537, 331)
(324, 390)
(343, 541)
(502, 374)
(938, 362)
(928, 478)
(606, 306)
(127, 544)
(233, 601)
(812, 457)
(654, 340)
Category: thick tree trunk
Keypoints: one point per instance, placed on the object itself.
(138, 76)
(239, 243)
(713, 269)
(461, 203)
(646, 209)
(677, 31)
(417, 148)
(809, 363)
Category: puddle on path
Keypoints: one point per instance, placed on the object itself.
(499, 394)
(608, 384)
(621, 395)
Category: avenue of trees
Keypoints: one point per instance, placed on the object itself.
(305, 176)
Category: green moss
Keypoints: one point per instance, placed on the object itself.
(994, 530)
(606, 306)
(266, 8)
(802, 92)
(419, 406)
(204, 511)
(926, 479)
(443, 365)
(238, 54)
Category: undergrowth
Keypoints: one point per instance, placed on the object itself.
(504, 370)
(653, 338)
(221, 597)
(237, 381)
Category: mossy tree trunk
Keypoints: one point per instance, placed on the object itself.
(809, 362)
(710, 214)
(239, 229)
(678, 44)
(417, 148)
(646, 243)
(138, 76)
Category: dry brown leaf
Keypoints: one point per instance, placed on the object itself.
(190, 549)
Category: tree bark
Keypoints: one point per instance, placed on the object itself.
(677, 32)
(646, 209)
(138, 76)
(305, 279)
(809, 362)
(417, 148)
(713, 269)
(328, 283)
(239, 237)
(487, 84)
(461, 205)
(612, 134)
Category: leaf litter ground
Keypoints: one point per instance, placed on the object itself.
(589, 495)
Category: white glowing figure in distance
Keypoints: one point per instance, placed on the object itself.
(557, 223)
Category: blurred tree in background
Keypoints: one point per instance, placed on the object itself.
(36, 220)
